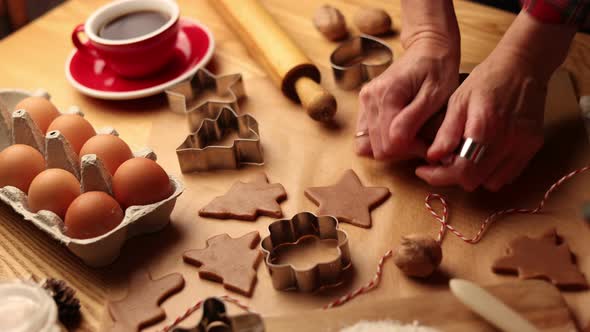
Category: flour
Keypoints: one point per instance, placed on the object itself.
(387, 326)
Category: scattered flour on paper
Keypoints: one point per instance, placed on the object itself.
(387, 326)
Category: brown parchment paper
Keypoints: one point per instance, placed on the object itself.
(300, 153)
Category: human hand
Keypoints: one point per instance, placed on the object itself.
(396, 104)
(501, 106)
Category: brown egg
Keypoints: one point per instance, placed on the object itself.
(41, 110)
(92, 214)
(19, 165)
(53, 189)
(75, 129)
(111, 150)
(140, 181)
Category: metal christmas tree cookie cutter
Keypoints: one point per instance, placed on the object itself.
(291, 231)
(182, 97)
(199, 152)
(348, 61)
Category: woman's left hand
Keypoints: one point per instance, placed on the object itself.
(501, 106)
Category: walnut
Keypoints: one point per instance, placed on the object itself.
(373, 21)
(418, 255)
(330, 22)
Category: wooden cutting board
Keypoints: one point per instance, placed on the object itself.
(538, 301)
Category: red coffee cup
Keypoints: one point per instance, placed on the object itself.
(134, 57)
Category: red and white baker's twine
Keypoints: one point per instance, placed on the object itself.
(363, 289)
(444, 225)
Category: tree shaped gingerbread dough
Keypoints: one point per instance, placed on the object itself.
(248, 200)
(230, 261)
(348, 200)
(541, 258)
(141, 306)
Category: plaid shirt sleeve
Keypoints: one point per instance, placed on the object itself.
(558, 11)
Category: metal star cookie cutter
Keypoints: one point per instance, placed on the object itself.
(215, 318)
(348, 65)
(182, 96)
(291, 231)
(199, 152)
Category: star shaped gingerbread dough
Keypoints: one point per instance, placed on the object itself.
(348, 199)
(248, 200)
(230, 261)
(542, 258)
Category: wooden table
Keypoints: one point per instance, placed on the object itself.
(34, 57)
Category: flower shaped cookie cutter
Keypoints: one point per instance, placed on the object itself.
(200, 152)
(290, 231)
(185, 97)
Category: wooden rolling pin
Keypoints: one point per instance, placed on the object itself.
(286, 64)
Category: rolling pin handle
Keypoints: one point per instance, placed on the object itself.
(319, 103)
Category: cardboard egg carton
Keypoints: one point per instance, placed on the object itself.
(18, 128)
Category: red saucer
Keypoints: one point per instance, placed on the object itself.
(92, 77)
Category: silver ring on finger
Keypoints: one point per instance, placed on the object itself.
(361, 133)
(472, 150)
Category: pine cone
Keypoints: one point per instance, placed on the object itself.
(64, 296)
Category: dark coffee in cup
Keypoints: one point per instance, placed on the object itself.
(133, 25)
(135, 38)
